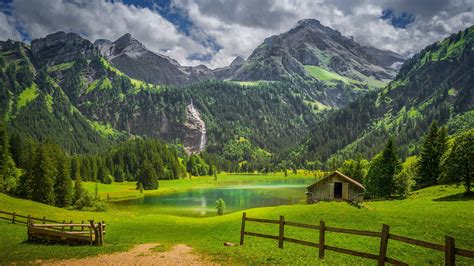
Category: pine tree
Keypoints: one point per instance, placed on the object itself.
(8, 176)
(78, 190)
(148, 177)
(434, 146)
(44, 176)
(383, 168)
(63, 187)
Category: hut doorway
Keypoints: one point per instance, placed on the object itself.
(337, 190)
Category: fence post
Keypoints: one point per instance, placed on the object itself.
(96, 239)
(281, 235)
(62, 228)
(322, 231)
(13, 218)
(101, 236)
(71, 222)
(449, 251)
(82, 227)
(383, 245)
(44, 219)
(242, 228)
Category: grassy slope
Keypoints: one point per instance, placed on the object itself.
(420, 216)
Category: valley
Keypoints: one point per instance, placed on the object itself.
(313, 124)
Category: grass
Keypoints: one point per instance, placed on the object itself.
(106, 130)
(422, 216)
(60, 67)
(27, 95)
(329, 76)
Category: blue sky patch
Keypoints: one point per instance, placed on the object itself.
(400, 20)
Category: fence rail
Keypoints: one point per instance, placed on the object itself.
(69, 232)
(448, 248)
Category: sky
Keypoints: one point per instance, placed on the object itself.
(214, 32)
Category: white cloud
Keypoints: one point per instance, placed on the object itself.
(7, 28)
(229, 24)
(239, 26)
(101, 19)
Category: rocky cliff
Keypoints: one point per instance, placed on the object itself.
(134, 59)
(311, 44)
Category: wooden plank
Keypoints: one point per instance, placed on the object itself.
(322, 245)
(450, 251)
(302, 242)
(281, 232)
(309, 226)
(353, 231)
(383, 245)
(5, 218)
(345, 190)
(465, 253)
(262, 220)
(62, 225)
(41, 231)
(261, 235)
(242, 229)
(353, 252)
(416, 242)
(9, 213)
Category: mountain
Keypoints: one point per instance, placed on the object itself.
(78, 98)
(134, 59)
(311, 50)
(435, 84)
(35, 105)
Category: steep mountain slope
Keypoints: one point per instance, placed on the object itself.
(134, 59)
(35, 106)
(311, 50)
(108, 104)
(436, 84)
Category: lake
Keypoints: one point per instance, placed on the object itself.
(200, 202)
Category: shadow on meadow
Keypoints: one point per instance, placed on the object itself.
(457, 197)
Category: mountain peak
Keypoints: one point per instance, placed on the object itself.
(238, 61)
(309, 22)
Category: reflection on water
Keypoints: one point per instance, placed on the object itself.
(201, 201)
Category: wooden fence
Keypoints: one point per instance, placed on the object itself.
(449, 249)
(71, 233)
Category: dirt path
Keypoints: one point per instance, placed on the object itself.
(140, 255)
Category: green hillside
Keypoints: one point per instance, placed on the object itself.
(433, 85)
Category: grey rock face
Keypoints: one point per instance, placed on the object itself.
(310, 43)
(135, 60)
(61, 47)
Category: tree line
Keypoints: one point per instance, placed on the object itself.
(440, 161)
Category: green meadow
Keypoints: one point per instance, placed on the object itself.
(428, 214)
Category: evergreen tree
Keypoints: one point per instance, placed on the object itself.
(383, 168)
(459, 163)
(148, 177)
(64, 186)
(44, 175)
(78, 190)
(8, 176)
(434, 146)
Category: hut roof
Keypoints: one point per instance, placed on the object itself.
(350, 180)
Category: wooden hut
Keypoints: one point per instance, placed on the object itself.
(335, 186)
